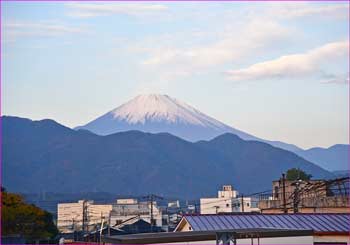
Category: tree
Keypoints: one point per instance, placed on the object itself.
(18, 217)
(296, 173)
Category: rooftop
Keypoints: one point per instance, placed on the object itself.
(319, 222)
(169, 237)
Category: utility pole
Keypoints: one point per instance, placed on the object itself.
(197, 208)
(73, 225)
(151, 198)
(296, 197)
(85, 225)
(109, 224)
(284, 193)
(74, 231)
(101, 227)
(83, 220)
(242, 203)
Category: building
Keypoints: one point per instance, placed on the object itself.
(228, 202)
(81, 215)
(227, 192)
(133, 226)
(126, 201)
(312, 196)
(327, 228)
(245, 204)
(97, 211)
(221, 204)
(174, 204)
(126, 209)
(86, 216)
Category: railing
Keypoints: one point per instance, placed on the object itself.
(319, 202)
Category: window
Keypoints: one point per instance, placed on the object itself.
(276, 192)
(254, 204)
(247, 204)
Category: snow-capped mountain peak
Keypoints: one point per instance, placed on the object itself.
(158, 108)
(156, 113)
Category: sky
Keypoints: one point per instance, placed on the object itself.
(279, 71)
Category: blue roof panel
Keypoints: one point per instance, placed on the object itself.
(317, 222)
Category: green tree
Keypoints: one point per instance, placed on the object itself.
(18, 217)
(295, 174)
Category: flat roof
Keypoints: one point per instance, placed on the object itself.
(189, 236)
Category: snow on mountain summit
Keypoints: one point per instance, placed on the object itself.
(156, 113)
(157, 108)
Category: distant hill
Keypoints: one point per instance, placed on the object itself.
(157, 113)
(46, 156)
(334, 158)
(341, 173)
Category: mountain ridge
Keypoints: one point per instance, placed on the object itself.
(137, 163)
(333, 158)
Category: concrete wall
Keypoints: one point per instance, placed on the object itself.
(333, 238)
(70, 215)
(127, 201)
(227, 205)
(95, 212)
(214, 205)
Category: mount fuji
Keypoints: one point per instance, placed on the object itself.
(155, 113)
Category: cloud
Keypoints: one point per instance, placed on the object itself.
(231, 44)
(296, 65)
(88, 10)
(243, 36)
(338, 79)
(14, 30)
(300, 10)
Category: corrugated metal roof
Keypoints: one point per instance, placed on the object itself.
(316, 222)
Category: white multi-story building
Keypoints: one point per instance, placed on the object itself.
(70, 216)
(227, 202)
(227, 192)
